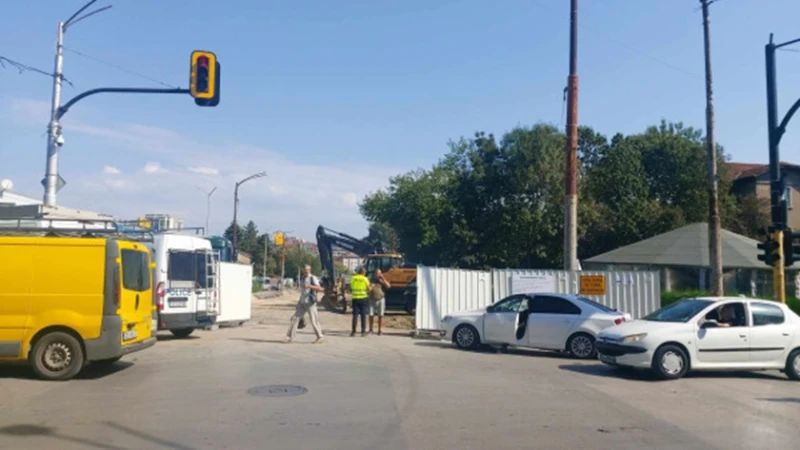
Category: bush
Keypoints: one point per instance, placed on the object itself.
(668, 298)
(257, 286)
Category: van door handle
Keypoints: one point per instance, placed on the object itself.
(137, 301)
(742, 335)
(787, 334)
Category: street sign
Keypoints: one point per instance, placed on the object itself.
(60, 183)
(593, 285)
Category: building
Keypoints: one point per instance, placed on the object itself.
(753, 179)
(681, 258)
(24, 211)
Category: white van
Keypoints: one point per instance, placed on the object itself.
(185, 279)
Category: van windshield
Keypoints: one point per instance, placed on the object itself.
(189, 266)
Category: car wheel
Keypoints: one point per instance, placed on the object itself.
(670, 362)
(793, 365)
(57, 356)
(182, 333)
(581, 346)
(466, 337)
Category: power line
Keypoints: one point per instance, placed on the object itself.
(115, 66)
(624, 45)
(26, 68)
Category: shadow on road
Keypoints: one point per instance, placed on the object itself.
(782, 400)
(148, 437)
(40, 431)
(258, 341)
(171, 337)
(23, 371)
(602, 370)
(487, 349)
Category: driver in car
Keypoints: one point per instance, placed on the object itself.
(727, 316)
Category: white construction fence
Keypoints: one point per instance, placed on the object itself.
(443, 291)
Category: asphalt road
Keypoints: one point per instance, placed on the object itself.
(388, 392)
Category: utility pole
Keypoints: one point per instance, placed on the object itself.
(266, 252)
(54, 137)
(714, 225)
(571, 176)
(283, 262)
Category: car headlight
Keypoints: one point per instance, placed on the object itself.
(634, 338)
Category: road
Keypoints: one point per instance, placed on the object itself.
(388, 392)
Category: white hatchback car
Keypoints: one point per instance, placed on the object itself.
(707, 333)
(546, 321)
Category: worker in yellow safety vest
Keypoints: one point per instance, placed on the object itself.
(360, 288)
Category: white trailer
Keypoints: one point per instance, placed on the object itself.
(235, 293)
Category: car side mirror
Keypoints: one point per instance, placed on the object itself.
(489, 309)
(708, 324)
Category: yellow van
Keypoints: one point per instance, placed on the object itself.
(69, 301)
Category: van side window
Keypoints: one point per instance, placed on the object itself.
(135, 271)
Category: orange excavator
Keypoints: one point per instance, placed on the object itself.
(399, 273)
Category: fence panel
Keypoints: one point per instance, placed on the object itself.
(634, 292)
(442, 291)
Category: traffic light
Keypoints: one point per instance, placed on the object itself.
(204, 78)
(770, 248)
(791, 247)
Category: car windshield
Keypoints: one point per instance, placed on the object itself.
(681, 311)
(599, 306)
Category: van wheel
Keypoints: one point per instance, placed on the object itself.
(57, 356)
(182, 333)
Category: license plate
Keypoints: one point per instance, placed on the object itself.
(177, 303)
(128, 335)
(608, 359)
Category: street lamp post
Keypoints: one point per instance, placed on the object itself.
(236, 208)
(208, 206)
(54, 139)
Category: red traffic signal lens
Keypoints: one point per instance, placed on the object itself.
(203, 62)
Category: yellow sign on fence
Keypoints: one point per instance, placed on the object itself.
(593, 284)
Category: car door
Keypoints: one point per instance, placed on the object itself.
(725, 345)
(16, 265)
(770, 335)
(550, 321)
(500, 320)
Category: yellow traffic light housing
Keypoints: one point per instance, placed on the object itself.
(204, 79)
(279, 239)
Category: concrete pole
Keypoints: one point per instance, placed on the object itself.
(571, 175)
(714, 226)
(54, 128)
(235, 225)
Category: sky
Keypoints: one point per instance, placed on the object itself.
(332, 98)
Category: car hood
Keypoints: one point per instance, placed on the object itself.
(638, 327)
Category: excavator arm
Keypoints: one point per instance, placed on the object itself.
(327, 239)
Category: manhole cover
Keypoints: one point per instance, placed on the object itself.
(277, 390)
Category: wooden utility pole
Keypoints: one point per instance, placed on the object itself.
(571, 175)
(714, 225)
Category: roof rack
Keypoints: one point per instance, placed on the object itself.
(42, 220)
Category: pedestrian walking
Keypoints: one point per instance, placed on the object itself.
(377, 299)
(360, 288)
(309, 286)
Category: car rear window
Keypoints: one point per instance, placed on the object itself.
(597, 305)
(135, 271)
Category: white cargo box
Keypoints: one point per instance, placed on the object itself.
(235, 293)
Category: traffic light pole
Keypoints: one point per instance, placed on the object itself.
(64, 109)
(777, 187)
(779, 270)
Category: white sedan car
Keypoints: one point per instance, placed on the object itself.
(546, 321)
(707, 333)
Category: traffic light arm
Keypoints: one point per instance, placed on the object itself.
(63, 109)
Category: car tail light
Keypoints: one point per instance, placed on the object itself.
(619, 320)
(160, 295)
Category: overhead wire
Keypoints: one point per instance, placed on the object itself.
(120, 68)
(624, 45)
(21, 67)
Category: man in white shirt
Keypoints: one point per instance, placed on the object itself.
(309, 286)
